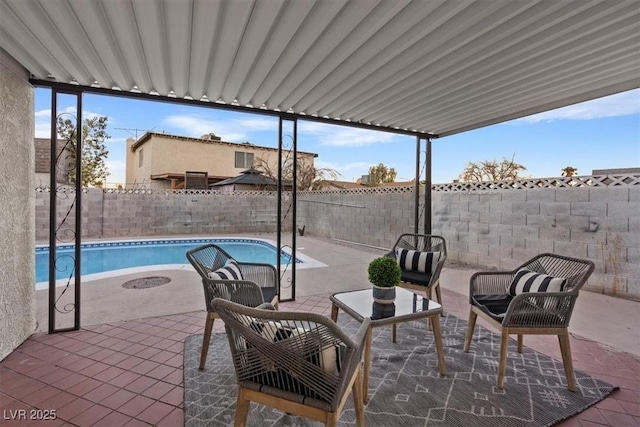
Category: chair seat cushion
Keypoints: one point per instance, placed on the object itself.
(268, 293)
(531, 281)
(424, 262)
(494, 305)
(415, 277)
(282, 384)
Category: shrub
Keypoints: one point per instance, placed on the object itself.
(384, 272)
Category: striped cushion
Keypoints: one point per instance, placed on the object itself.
(530, 281)
(329, 358)
(231, 271)
(424, 262)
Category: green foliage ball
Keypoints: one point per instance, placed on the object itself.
(384, 272)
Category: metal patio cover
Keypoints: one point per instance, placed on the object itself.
(426, 66)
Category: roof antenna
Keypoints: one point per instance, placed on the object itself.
(136, 130)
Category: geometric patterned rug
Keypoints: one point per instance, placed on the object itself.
(405, 388)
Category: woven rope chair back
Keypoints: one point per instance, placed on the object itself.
(303, 357)
(575, 270)
(207, 258)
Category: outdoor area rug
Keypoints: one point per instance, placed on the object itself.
(404, 386)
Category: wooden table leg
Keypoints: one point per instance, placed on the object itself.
(367, 363)
(334, 312)
(437, 336)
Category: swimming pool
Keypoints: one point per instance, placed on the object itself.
(119, 255)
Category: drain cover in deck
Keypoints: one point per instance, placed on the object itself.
(146, 282)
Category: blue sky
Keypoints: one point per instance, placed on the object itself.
(599, 134)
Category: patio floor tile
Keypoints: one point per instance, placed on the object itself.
(619, 420)
(136, 405)
(130, 372)
(175, 418)
(117, 399)
(101, 392)
(112, 419)
(154, 413)
(74, 408)
(92, 415)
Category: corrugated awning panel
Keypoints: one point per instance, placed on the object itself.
(427, 66)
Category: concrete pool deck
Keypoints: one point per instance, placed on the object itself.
(607, 320)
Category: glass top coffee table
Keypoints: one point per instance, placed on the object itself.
(408, 306)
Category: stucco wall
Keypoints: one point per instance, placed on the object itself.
(17, 306)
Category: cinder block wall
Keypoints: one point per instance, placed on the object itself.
(107, 214)
(373, 218)
(502, 229)
(490, 229)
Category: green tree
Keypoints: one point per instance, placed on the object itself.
(569, 171)
(94, 151)
(381, 173)
(492, 170)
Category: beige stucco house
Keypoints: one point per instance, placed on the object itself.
(160, 161)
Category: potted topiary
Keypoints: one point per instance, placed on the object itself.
(384, 275)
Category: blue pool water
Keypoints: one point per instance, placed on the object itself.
(108, 256)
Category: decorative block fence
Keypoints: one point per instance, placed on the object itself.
(486, 225)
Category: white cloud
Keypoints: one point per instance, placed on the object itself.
(43, 119)
(235, 130)
(239, 130)
(258, 124)
(621, 104)
(342, 136)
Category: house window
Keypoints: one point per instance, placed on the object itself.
(140, 158)
(244, 160)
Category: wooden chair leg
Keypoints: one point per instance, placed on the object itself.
(520, 342)
(437, 336)
(242, 409)
(438, 295)
(332, 420)
(358, 399)
(502, 364)
(208, 327)
(567, 361)
(472, 324)
(429, 294)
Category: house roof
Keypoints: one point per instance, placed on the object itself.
(342, 185)
(148, 135)
(250, 176)
(415, 66)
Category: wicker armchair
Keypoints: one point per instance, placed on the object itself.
(300, 363)
(535, 313)
(429, 280)
(259, 284)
